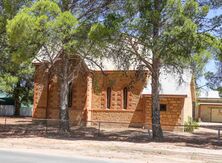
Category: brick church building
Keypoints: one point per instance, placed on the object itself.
(115, 96)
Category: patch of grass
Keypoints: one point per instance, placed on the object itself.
(190, 125)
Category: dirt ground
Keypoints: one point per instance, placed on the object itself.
(131, 145)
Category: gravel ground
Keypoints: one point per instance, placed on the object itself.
(115, 144)
(139, 152)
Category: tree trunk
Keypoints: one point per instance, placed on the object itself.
(64, 110)
(156, 126)
(17, 105)
(17, 100)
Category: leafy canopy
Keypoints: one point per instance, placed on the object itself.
(15, 76)
(170, 33)
(42, 24)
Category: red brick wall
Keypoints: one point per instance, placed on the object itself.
(169, 118)
(78, 109)
(117, 80)
(89, 99)
(40, 93)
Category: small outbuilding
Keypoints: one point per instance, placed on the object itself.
(7, 107)
(210, 109)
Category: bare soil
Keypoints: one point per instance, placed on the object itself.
(126, 144)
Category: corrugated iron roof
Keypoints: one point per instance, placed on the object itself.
(170, 81)
(171, 84)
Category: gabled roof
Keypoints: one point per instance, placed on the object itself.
(210, 100)
(47, 54)
(171, 84)
(5, 99)
(209, 94)
(107, 64)
(3, 95)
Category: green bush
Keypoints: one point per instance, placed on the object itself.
(190, 125)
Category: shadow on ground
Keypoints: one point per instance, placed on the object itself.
(26, 129)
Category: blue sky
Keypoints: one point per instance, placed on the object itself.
(211, 65)
(216, 12)
(212, 13)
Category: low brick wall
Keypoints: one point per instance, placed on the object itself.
(132, 118)
(39, 113)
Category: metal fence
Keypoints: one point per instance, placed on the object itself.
(9, 110)
(121, 131)
(25, 111)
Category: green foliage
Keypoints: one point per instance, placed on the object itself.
(45, 24)
(178, 23)
(214, 79)
(16, 73)
(190, 125)
(7, 81)
(98, 31)
(199, 62)
(18, 79)
(41, 24)
(156, 35)
(213, 25)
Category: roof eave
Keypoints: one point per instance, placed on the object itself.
(166, 95)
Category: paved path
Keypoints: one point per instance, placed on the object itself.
(26, 157)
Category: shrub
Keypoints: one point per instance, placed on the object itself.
(190, 125)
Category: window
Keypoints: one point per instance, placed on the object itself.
(125, 98)
(70, 95)
(108, 97)
(163, 107)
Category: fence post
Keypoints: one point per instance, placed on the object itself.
(46, 126)
(149, 131)
(98, 128)
(219, 135)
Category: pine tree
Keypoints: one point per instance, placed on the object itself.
(154, 35)
(16, 76)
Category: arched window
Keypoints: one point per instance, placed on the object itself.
(125, 98)
(108, 97)
(70, 95)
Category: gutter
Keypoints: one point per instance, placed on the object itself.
(166, 95)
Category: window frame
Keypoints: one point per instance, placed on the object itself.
(163, 106)
(70, 94)
(108, 97)
(125, 98)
